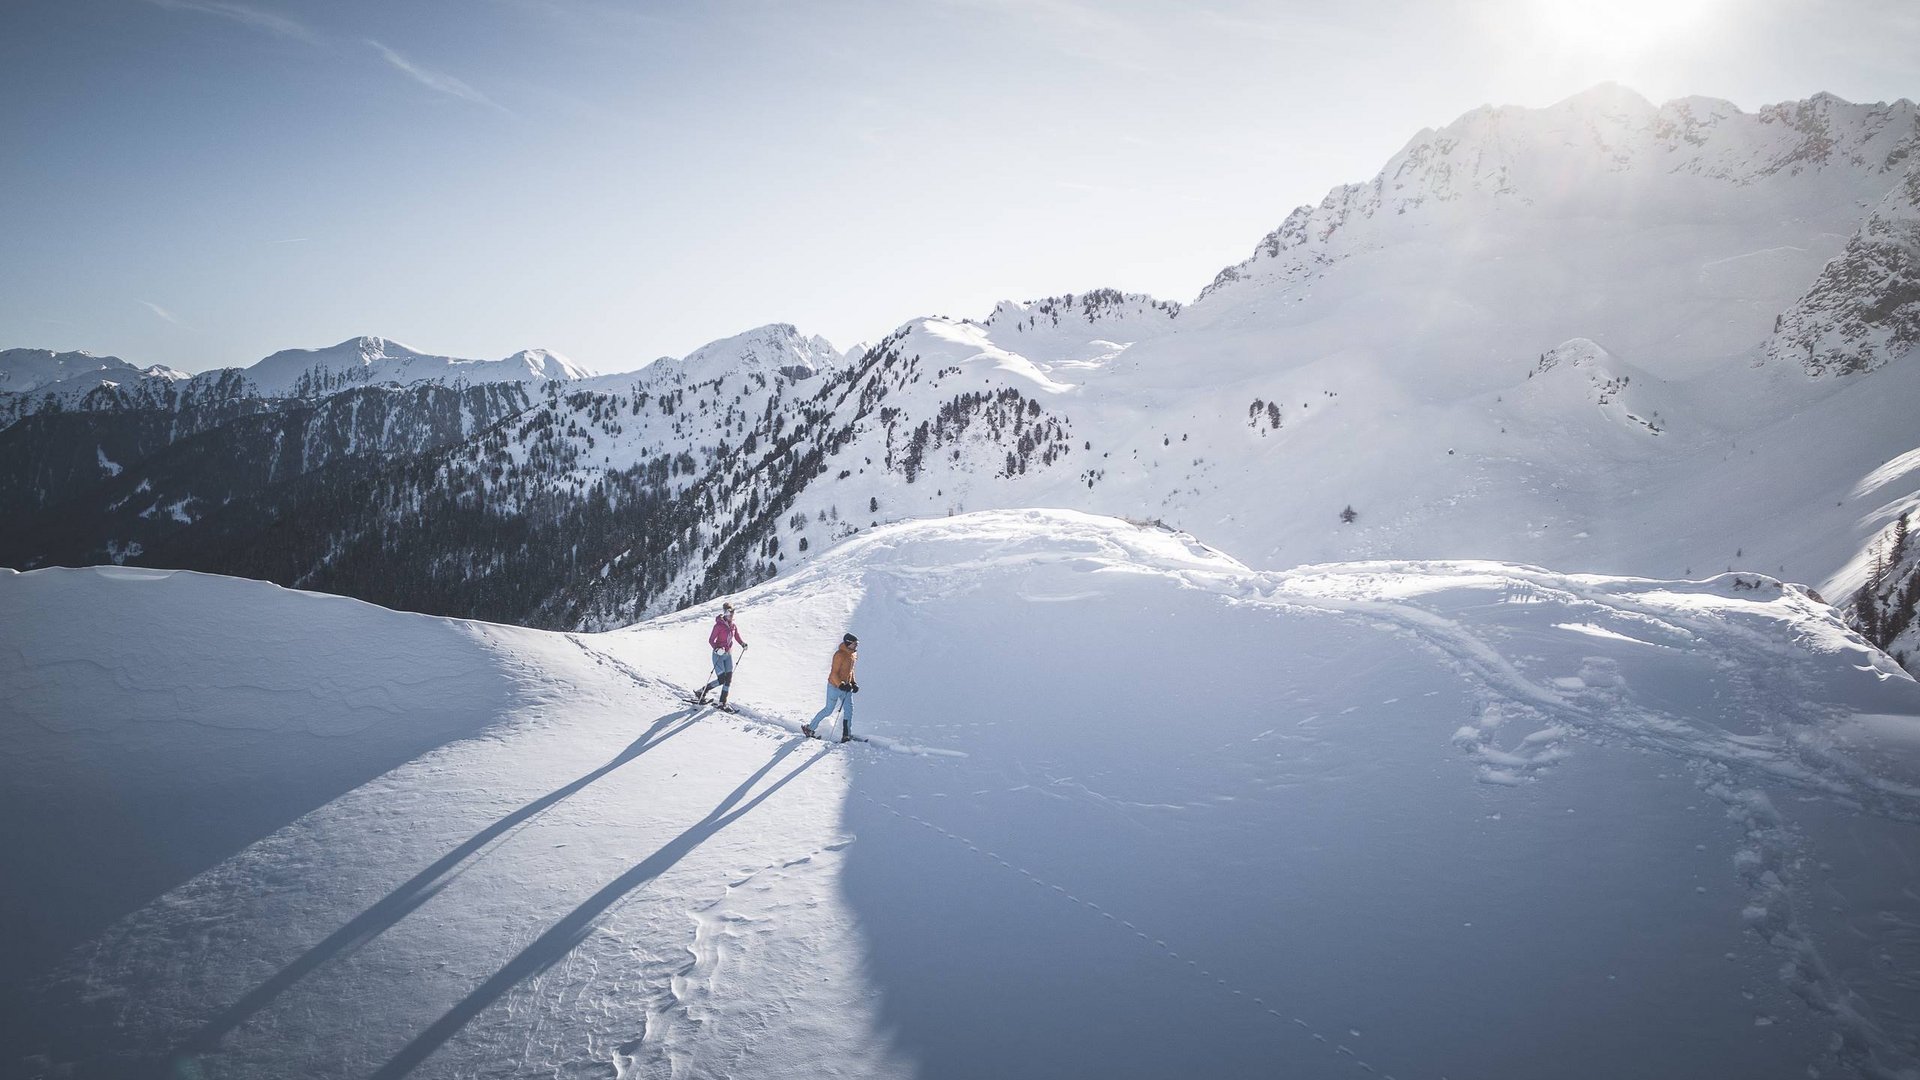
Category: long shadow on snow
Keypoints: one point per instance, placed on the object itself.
(151, 815)
(561, 938)
(417, 890)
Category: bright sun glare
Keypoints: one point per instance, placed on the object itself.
(1619, 29)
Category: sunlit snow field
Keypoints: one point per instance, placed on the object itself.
(1129, 809)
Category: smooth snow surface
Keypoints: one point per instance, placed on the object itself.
(1130, 809)
(157, 721)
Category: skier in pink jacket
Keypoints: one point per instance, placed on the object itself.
(721, 639)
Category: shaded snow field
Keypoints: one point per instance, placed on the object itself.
(1132, 809)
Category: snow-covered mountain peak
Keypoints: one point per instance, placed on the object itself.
(373, 360)
(1607, 99)
(1574, 352)
(364, 350)
(773, 349)
(1614, 129)
(1579, 373)
(22, 370)
(289, 370)
(1091, 308)
(1606, 152)
(371, 348)
(547, 364)
(1602, 114)
(1052, 336)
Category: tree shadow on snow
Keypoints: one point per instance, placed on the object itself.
(416, 891)
(561, 938)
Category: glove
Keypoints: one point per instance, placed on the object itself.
(853, 687)
(847, 686)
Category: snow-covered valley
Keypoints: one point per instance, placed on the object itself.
(1130, 808)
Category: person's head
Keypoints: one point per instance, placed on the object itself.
(850, 643)
(726, 609)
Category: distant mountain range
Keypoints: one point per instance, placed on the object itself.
(1601, 336)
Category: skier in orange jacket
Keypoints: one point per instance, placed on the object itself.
(840, 690)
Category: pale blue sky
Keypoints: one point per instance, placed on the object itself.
(201, 182)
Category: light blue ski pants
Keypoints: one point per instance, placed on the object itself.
(722, 671)
(836, 699)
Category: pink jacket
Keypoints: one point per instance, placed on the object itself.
(724, 634)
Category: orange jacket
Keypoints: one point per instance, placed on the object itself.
(842, 669)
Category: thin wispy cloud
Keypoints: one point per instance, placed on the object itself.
(435, 80)
(265, 21)
(163, 313)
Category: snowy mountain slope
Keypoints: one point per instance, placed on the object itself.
(78, 443)
(1884, 605)
(1604, 153)
(1396, 374)
(1411, 818)
(34, 381)
(93, 486)
(1065, 330)
(593, 507)
(22, 370)
(777, 348)
(235, 463)
(1864, 310)
(563, 750)
(373, 360)
(159, 721)
(244, 467)
(1407, 370)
